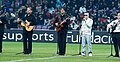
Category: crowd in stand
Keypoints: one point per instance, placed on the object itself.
(45, 11)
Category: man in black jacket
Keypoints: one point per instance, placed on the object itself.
(115, 34)
(30, 21)
(61, 24)
(2, 26)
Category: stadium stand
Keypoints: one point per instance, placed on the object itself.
(102, 11)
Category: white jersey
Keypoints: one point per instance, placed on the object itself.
(87, 26)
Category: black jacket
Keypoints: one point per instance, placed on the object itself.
(63, 29)
(30, 19)
(3, 20)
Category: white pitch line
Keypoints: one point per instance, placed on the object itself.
(21, 60)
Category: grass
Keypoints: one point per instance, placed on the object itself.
(45, 52)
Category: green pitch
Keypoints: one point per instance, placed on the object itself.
(45, 52)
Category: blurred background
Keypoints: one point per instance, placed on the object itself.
(46, 11)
